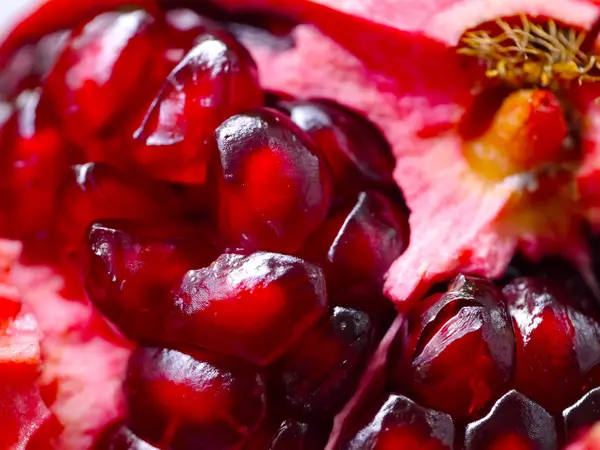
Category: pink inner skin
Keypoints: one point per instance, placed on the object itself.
(84, 358)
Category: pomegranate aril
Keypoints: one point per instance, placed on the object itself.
(356, 248)
(555, 335)
(132, 266)
(97, 191)
(514, 422)
(455, 351)
(274, 189)
(215, 80)
(251, 307)
(578, 418)
(402, 424)
(96, 79)
(321, 372)
(355, 149)
(34, 159)
(288, 435)
(195, 400)
(121, 438)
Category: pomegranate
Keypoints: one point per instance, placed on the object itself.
(287, 237)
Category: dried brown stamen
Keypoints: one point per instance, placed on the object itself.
(530, 54)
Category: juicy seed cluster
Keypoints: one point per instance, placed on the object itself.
(213, 225)
(545, 55)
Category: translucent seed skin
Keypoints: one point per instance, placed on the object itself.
(192, 400)
(216, 79)
(130, 268)
(401, 423)
(251, 307)
(357, 153)
(455, 351)
(274, 188)
(96, 77)
(514, 422)
(582, 415)
(356, 246)
(556, 333)
(316, 384)
(95, 191)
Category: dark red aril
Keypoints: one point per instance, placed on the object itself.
(322, 371)
(455, 351)
(274, 189)
(130, 268)
(194, 400)
(119, 437)
(356, 247)
(402, 424)
(252, 307)
(288, 435)
(514, 422)
(579, 417)
(216, 79)
(558, 335)
(33, 160)
(96, 80)
(97, 191)
(355, 149)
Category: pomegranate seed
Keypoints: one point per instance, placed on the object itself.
(252, 307)
(97, 77)
(215, 80)
(355, 149)
(579, 417)
(192, 401)
(455, 351)
(34, 160)
(96, 191)
(121, 438)
(288, 435)
(514, 422)
(356, 248)
(555, 335)
(132, 266)
(402, 424)
(274, 189)
(318, 383)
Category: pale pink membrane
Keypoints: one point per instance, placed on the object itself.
(84, 358)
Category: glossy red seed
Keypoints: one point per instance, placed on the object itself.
(579, 417)
(214, 81)
(33, 161)
(98, 74)
(194, 401)
(322, 371)
(355, 149)
(402, 424)
(355, 248)
(555, 335)
(121, 438)
(455, 351)
(132, 266)
(274, 189)
(252, 307)
(97, 191)
(514, 422)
